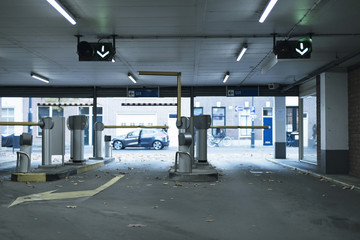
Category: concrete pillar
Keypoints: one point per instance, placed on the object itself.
(301, 128)
(334, 123)
(280, 128)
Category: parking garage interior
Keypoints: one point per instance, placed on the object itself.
(253, 125)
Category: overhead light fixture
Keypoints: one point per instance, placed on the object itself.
(269, 63)
(267, 10)
(63, 11)
(227, 75)
(131, 78)
(39, 77)
(242, 52)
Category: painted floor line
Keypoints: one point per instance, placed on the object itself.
(50, 195)
(351, 186)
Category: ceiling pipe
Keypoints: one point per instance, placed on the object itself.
(321, 70)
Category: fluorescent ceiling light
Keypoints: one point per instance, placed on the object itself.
(131, 78)
(270, 62)
(242, 52)
(267, 10)
(39, 77)
(63, 11)
(226, 77)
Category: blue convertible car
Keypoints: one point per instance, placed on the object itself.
(155, 138)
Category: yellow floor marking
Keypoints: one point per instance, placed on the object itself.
(64, 195)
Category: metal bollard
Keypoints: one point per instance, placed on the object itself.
(202, 124)
(77, 124)
(24, 155)
(108, 148)
(98, 127)
(185, 140)
(46, 125)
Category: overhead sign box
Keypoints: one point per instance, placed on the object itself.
(293, 49)
(95, 51)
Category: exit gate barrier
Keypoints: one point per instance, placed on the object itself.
(46, 124)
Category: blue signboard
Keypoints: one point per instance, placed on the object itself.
(243, 92)
(252, 110)
(239, 108)
(143, 93)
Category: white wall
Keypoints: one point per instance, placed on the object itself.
(334, 111)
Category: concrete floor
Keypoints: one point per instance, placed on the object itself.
(254, 199)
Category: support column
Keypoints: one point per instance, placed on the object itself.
(280, 127)
(94, 120)
(334, 123)
(301, 128)
(192, 131)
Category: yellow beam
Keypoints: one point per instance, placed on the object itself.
(19, 124)
(179, 97)
(114, 126)
(178, 74)
(246, 127)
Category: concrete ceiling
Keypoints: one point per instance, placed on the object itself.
(199, 38)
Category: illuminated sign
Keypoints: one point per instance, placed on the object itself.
(95, 51)
(293, 49)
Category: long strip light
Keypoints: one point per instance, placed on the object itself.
(62, 11)
(267, 10)
(242, 52)
(131, 78)
(39, 77)
(227, 75)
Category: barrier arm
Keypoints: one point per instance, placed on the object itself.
(20, 123)
(115, 126)
(244, 127)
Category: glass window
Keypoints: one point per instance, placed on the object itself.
(267, 112)
(57, 111)
(292, 116)
(7, 115)
(198, 111)
(245, 120)
(84, 111)
(134, 133)
(43, 112)
(218, 119)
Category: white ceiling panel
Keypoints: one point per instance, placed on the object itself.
(199, 38)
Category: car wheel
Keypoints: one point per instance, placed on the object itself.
(118, 145)
(157, 145)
